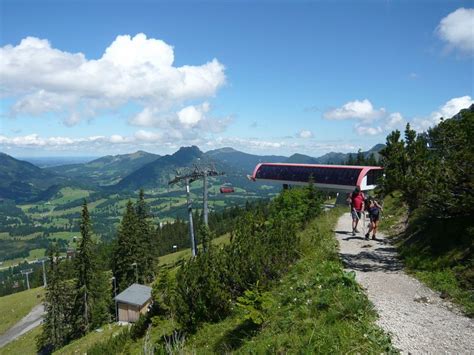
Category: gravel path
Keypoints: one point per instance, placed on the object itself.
(416, 317)
(28, 322)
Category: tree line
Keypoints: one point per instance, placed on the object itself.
(433, 170)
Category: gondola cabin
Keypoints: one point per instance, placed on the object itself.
(337, 178)
(227, 190)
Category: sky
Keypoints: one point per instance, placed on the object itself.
(89, 78)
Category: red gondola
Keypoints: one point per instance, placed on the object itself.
(226, 189)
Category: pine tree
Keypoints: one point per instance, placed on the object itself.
(146, 258)
(360, 160)
(86, 271)
(350, 160)
(58, 311)
(127, 249)
(371, 161)
(394, 163)
(205, 236)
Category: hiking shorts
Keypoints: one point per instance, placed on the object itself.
(374, 218)
(356, 215)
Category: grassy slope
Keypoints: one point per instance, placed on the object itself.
(438, 253)
(24, 345)
(16, 306)
(316, 308)
(81, 345)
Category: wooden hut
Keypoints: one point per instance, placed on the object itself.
(132, 302)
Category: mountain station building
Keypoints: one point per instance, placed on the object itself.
(336, 178)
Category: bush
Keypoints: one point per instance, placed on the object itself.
(261, 250)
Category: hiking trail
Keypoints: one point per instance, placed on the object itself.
(418, 320)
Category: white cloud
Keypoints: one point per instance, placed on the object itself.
(305, 134)
(457, 29)
(367, 130)
(190, 120)
(394, 121)
(132, 69)
(448, 110)
(147, 136)
(369, 121)
(362, 110)
(169, 142)
(190, 116)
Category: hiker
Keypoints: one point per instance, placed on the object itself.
(374, 210)
(356, 200)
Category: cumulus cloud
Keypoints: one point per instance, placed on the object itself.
(363, 110)
(190, 116)
(369, 120)
(367, 130)
(305, 134)
(457, 30)
(135, 69)
(448, 110)
(192, 119)
(395, 120)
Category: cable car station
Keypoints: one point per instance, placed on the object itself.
(335, 178)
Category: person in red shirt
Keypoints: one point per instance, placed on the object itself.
(356, 200)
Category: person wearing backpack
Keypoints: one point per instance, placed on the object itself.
(356, 200)
(374, 210)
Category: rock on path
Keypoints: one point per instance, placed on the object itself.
(418, 320)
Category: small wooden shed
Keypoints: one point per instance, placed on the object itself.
(132, 302)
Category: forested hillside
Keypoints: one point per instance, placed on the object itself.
(107, 170)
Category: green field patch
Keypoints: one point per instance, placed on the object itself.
(4, 235)
(11, 262)
(64, 235)
(37, 254)
(68, 194)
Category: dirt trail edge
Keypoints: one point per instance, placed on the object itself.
(418, 320)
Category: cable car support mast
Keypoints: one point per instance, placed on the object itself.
(189, 178)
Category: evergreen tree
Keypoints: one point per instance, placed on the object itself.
(205, 236)
(127, 249)
(371, 161)
(56, 329)
(360, 160)
(86, 272)
(393, 162)
(350, 160)
(417, 166)
(146, 259)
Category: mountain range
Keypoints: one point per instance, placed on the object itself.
(23, 181)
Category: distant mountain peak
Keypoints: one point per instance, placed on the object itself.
(192, 151)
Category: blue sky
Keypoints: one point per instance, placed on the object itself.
(263, 77)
